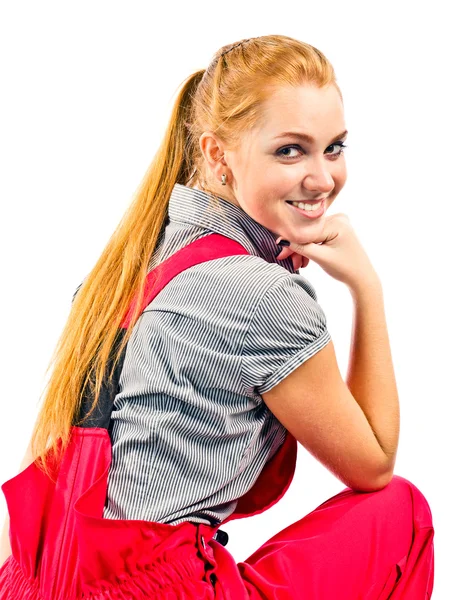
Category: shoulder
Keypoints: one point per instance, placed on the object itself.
(289, 302)
(250, 290)
(253, 275)
(238, 277)
(234, 289)
(247, 274)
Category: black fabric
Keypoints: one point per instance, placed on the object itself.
(101, 416)
(222, 537)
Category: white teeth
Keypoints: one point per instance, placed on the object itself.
(308, 207)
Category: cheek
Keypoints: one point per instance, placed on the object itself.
(267, 180)
(266, 200)
(281, 181)
(340, 175)
(272, 191)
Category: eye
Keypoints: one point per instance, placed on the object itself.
(279, 152)
(341, 146)
(297, 147)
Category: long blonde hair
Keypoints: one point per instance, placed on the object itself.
(225, 98)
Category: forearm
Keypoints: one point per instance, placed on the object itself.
(370, 376)
(5, 548)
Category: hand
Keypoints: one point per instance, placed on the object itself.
(337, 250)
(299, 261)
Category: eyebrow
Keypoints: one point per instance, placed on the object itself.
(307, 138)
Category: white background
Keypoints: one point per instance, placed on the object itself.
(87, 89)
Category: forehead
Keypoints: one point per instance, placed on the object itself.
(306, 108)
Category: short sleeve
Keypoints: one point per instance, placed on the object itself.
(288, 327)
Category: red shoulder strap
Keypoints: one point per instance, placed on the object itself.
(210, 247)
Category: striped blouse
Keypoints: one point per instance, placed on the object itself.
(190, 431)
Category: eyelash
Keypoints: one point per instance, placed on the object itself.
(296, 146)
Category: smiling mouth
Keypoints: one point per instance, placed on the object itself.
(307, 201)
(313, 213)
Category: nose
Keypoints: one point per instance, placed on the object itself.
(318, 177)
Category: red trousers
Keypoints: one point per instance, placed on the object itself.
(365, 546)
(354, 546)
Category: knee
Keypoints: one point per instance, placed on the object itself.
(399, 485)
(400, 492)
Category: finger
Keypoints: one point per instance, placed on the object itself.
(285, 252)
(296, 261)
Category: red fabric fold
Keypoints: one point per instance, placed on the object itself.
(61, 543)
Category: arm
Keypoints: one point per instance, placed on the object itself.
(311, 398)
(370, 375)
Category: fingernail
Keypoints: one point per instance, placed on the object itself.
(277, 241)
(285, 243)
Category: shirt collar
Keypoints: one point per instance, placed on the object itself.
(199, 208)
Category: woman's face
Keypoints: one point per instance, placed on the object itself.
(269, 168)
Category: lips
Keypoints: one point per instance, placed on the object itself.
(314, 214)
(306, 201)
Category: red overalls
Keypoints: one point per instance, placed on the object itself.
(366, 546)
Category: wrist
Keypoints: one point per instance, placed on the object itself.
(368, 285)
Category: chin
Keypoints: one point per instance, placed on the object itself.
(307, 236)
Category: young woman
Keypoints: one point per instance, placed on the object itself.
(224, 363)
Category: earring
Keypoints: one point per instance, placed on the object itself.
(223, 179)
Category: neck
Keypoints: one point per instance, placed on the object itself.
(219, 191)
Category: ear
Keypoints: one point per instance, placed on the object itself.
(212, 149)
